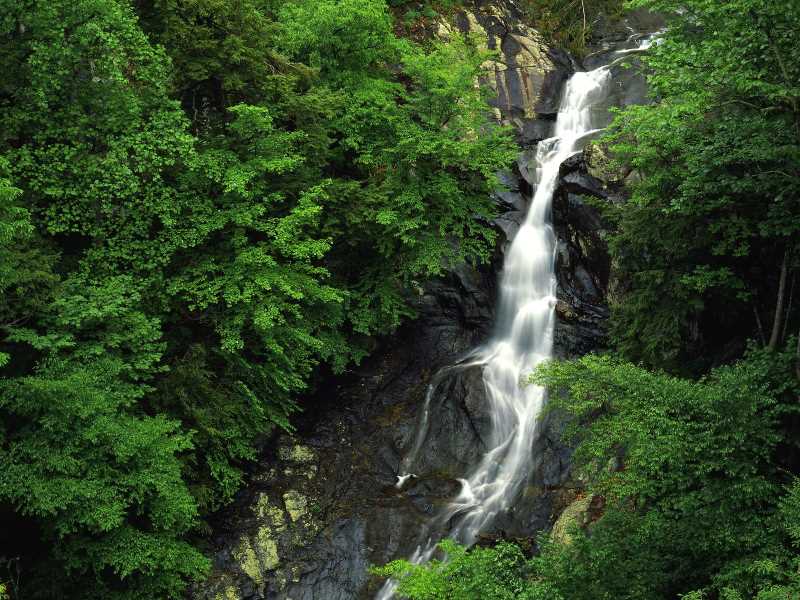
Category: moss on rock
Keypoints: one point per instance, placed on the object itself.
(296, 504)
(575, 515)
(229, 593)
(269, 513)
(255, 558)
(246, 558)
(601, 166)
(267, 549)
(297, 453)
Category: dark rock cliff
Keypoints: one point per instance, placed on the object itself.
(324, 506)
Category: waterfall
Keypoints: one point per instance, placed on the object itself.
(522, 338)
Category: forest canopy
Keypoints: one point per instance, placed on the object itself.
(200, 203)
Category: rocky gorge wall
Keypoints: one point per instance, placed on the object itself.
(323, 506)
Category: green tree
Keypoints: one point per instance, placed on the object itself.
(199, 203)
(708, 239)
(26, 265)
(420, 155)
(689, 471)
(88, 138)
(78, 454)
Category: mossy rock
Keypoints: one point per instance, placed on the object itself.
(601, 166)
(267, 549)
(296, 504)
(258, 557)
(269, 513)
(574, 516)
(297, 453)
(248, 562)
(229, 593)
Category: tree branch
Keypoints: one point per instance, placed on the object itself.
(583, 8)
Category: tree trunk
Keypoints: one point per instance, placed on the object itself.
(787, 317)
(797, 357)
(758, 324)
(583, 8)
(775, 338)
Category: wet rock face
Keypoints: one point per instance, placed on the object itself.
(325, 507)
(322, 506)
(582, 261)
(527, 77)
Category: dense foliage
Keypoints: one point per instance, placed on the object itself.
(686, 432)
(497, 572)
(706, 248)
(200, 202)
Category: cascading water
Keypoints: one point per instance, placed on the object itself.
(522, 338)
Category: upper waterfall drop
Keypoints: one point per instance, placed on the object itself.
(522, 337)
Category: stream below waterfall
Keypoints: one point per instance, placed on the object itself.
(522, 336)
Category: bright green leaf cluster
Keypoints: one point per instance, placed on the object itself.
(200, 202)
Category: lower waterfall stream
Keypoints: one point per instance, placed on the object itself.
(521, 340)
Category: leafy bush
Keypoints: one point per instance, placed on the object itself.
(200, 202)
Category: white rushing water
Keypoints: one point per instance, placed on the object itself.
(522, 338)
